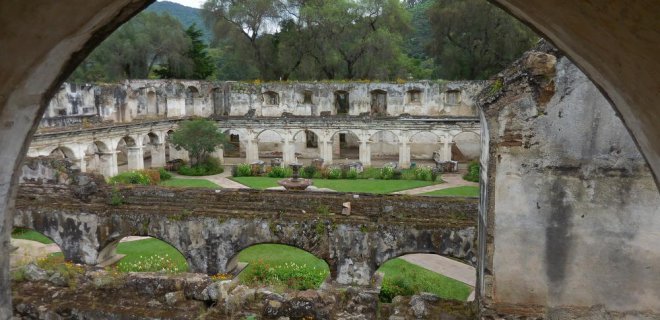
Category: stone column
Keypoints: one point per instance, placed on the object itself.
(158, 155)
(365, 153)
(81, 163)
(108, 164)
(288, 152)
(446, 149)
(336, 145)
(135, 158)
(252, 150)
(326, 152)
(404, 155)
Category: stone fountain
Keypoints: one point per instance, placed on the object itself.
(295, 182)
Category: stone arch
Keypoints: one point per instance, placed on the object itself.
(95, 157)
(269, 143)
(108, 250)
(123, 144)
(152, 103)
(233, 262)
(378, 102)
(20, 232)
(306, 143)
(63, 152)
(342, 102)
(466, 146)
(192, 93)
(385, 145)
(434, 263)
(423, 144)
(345, 144)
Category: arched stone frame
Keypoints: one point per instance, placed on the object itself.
(152, 103)
(232, 262)
(192, 95)
(415, 154)
(459, 154)
(94, 152)
(277, 148)
(335, 143)
(314, 144)
(385, 148)
(108, 249)
(630, 97)
(414, 96)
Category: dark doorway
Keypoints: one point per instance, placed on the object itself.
(341, 102)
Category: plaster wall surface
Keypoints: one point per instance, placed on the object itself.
(573, 208)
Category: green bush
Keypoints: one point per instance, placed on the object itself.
(472, 172)
(352, 173)
(370, 173)
(292, 275)
(209, 167)
(424, 174)
(387, 173)
(308, 172)
(279, 172)
(397, 286)
(164, 174)
(133, 177)
(242, 170)
(334, 173)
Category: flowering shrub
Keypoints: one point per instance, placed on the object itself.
(152, 263)
(292, 275)
(387, 173)
(242, 170)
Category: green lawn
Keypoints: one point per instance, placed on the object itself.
(27, 234)
(466, 191)
(404, 278)
(341, 185)
(145, 252)
(194, 183)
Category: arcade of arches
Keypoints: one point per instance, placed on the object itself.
(614, 43)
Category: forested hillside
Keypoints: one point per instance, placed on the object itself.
(387, 40)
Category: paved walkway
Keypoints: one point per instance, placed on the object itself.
(452, 180)
(221, 179)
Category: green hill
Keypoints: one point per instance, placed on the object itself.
(186, 15)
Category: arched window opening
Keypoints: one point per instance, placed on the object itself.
(345, 147)
(414, 96)
(453, 97)
(307, 97)
(279, 265)
(271, 98)
(416, 273)
(142, 254)
(378, 103)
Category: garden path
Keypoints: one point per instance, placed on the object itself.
(221, 179)
(452, 180)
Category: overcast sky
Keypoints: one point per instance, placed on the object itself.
(189, 3)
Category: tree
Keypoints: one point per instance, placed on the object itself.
(136, 48)
(198, 56)
(199, 137)
(473, 39)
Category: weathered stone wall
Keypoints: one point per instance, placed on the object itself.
(148, 99)
(211, 227)
(570, 219)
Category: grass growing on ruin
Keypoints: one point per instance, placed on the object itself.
(150, 255)
(26, 234)
(277, 264)
(190, 183)
(404, 278)
(464, 191)
(341, 185)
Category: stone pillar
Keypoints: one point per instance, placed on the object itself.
(288, 152)
(81, 163)
(446, 149)
(108, 164)
(365, 153)
(158, 155)
(336, 145)
(326, 152)
(252, 150)
(135, 158)
(404, 155)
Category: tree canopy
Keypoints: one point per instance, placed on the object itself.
(315, 40)
(199, 137)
